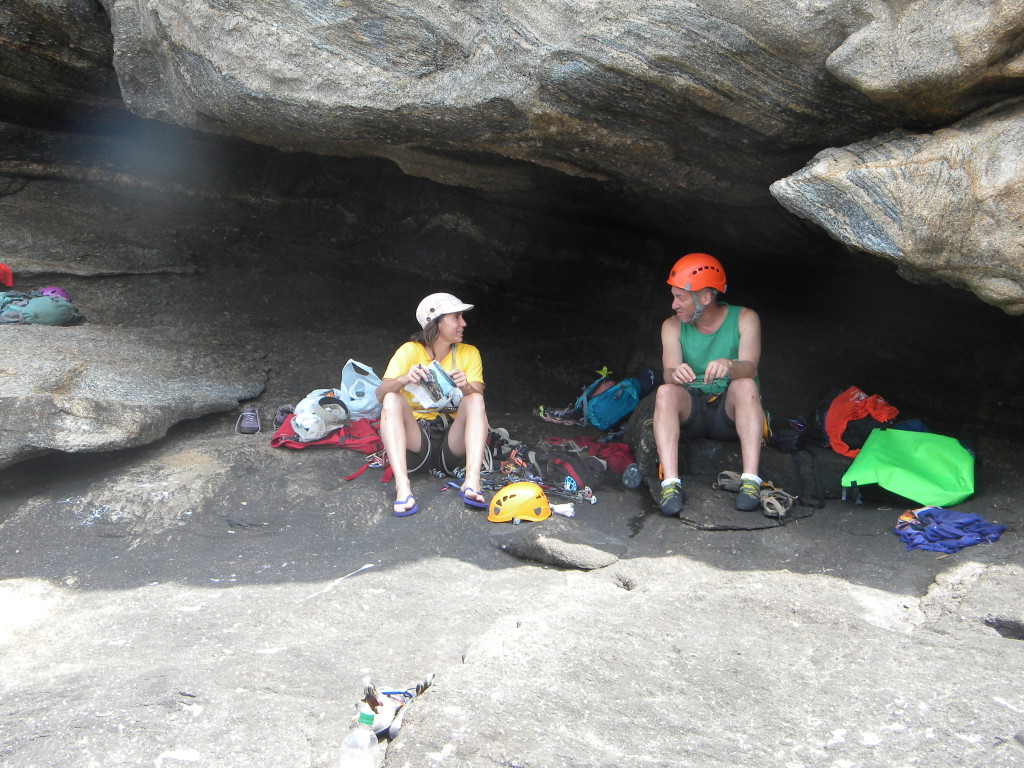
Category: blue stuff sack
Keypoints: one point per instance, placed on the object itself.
(605, 403)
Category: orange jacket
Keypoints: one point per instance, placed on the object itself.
(851, 405)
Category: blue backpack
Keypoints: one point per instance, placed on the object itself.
(605, 403)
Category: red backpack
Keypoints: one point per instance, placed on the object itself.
(618, 456)
(358, 435)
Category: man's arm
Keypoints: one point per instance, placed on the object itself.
(674, 370)
(749, 354)
(750, 345)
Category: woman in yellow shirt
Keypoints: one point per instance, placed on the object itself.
(413, 397)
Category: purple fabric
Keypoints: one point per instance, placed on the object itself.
(942, 530)
(54, 290)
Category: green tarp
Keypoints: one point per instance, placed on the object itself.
(932, 470)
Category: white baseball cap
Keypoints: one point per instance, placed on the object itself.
(437, 304)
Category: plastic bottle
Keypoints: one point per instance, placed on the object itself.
(359, 748)
(631, 478)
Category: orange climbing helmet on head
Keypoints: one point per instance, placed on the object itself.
(696, 271)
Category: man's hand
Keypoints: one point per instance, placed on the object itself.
(682, 374)
(718, 369)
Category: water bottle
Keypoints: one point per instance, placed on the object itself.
(631, 477)
(359, 748)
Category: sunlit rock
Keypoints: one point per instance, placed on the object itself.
(946, 206)
(935, 59)
(673, 100)
(94, 388)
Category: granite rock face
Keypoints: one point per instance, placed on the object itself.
(90, 388)
(55, 62)
(148, 144)
(933, 60)
(946, 206)
(674, 101)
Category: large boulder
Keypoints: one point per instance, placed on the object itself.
(675, 100)
(91, 388)
(934, 59)
(946, 206)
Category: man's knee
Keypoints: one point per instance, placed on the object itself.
(671, 401)
(744, 393)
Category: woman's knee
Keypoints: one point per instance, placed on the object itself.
(472, 405)
(392, 404)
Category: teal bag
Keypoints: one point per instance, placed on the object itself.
(932, 470)
(30, 309)
(605, 407)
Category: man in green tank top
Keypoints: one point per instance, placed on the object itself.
(710, 354)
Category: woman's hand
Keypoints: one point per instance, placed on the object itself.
(414, 374)
(460, 379)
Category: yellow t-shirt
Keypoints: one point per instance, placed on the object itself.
(466, 357)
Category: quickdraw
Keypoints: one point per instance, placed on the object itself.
(378, 460)
(580, 494)
(558, 415)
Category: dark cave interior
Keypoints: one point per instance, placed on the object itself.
(302, 250)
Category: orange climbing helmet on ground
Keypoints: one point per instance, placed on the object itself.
(696, 271)
(519, 501)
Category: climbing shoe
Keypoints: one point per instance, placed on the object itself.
(249, 422)
(672, 498)
(749, 496)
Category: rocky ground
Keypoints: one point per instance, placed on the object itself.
(173, 593)
(208, 600)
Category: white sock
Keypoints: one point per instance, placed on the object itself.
(669, 481)
(748, 476)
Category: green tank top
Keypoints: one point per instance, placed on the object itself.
(699, 349)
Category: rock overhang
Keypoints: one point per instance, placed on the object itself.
(560, 134)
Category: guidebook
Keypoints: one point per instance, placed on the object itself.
(437, 393)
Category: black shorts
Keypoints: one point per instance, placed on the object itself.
(434, 450)
(708, 418)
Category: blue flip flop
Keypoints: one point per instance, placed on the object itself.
(472, 502)
(405, 512)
